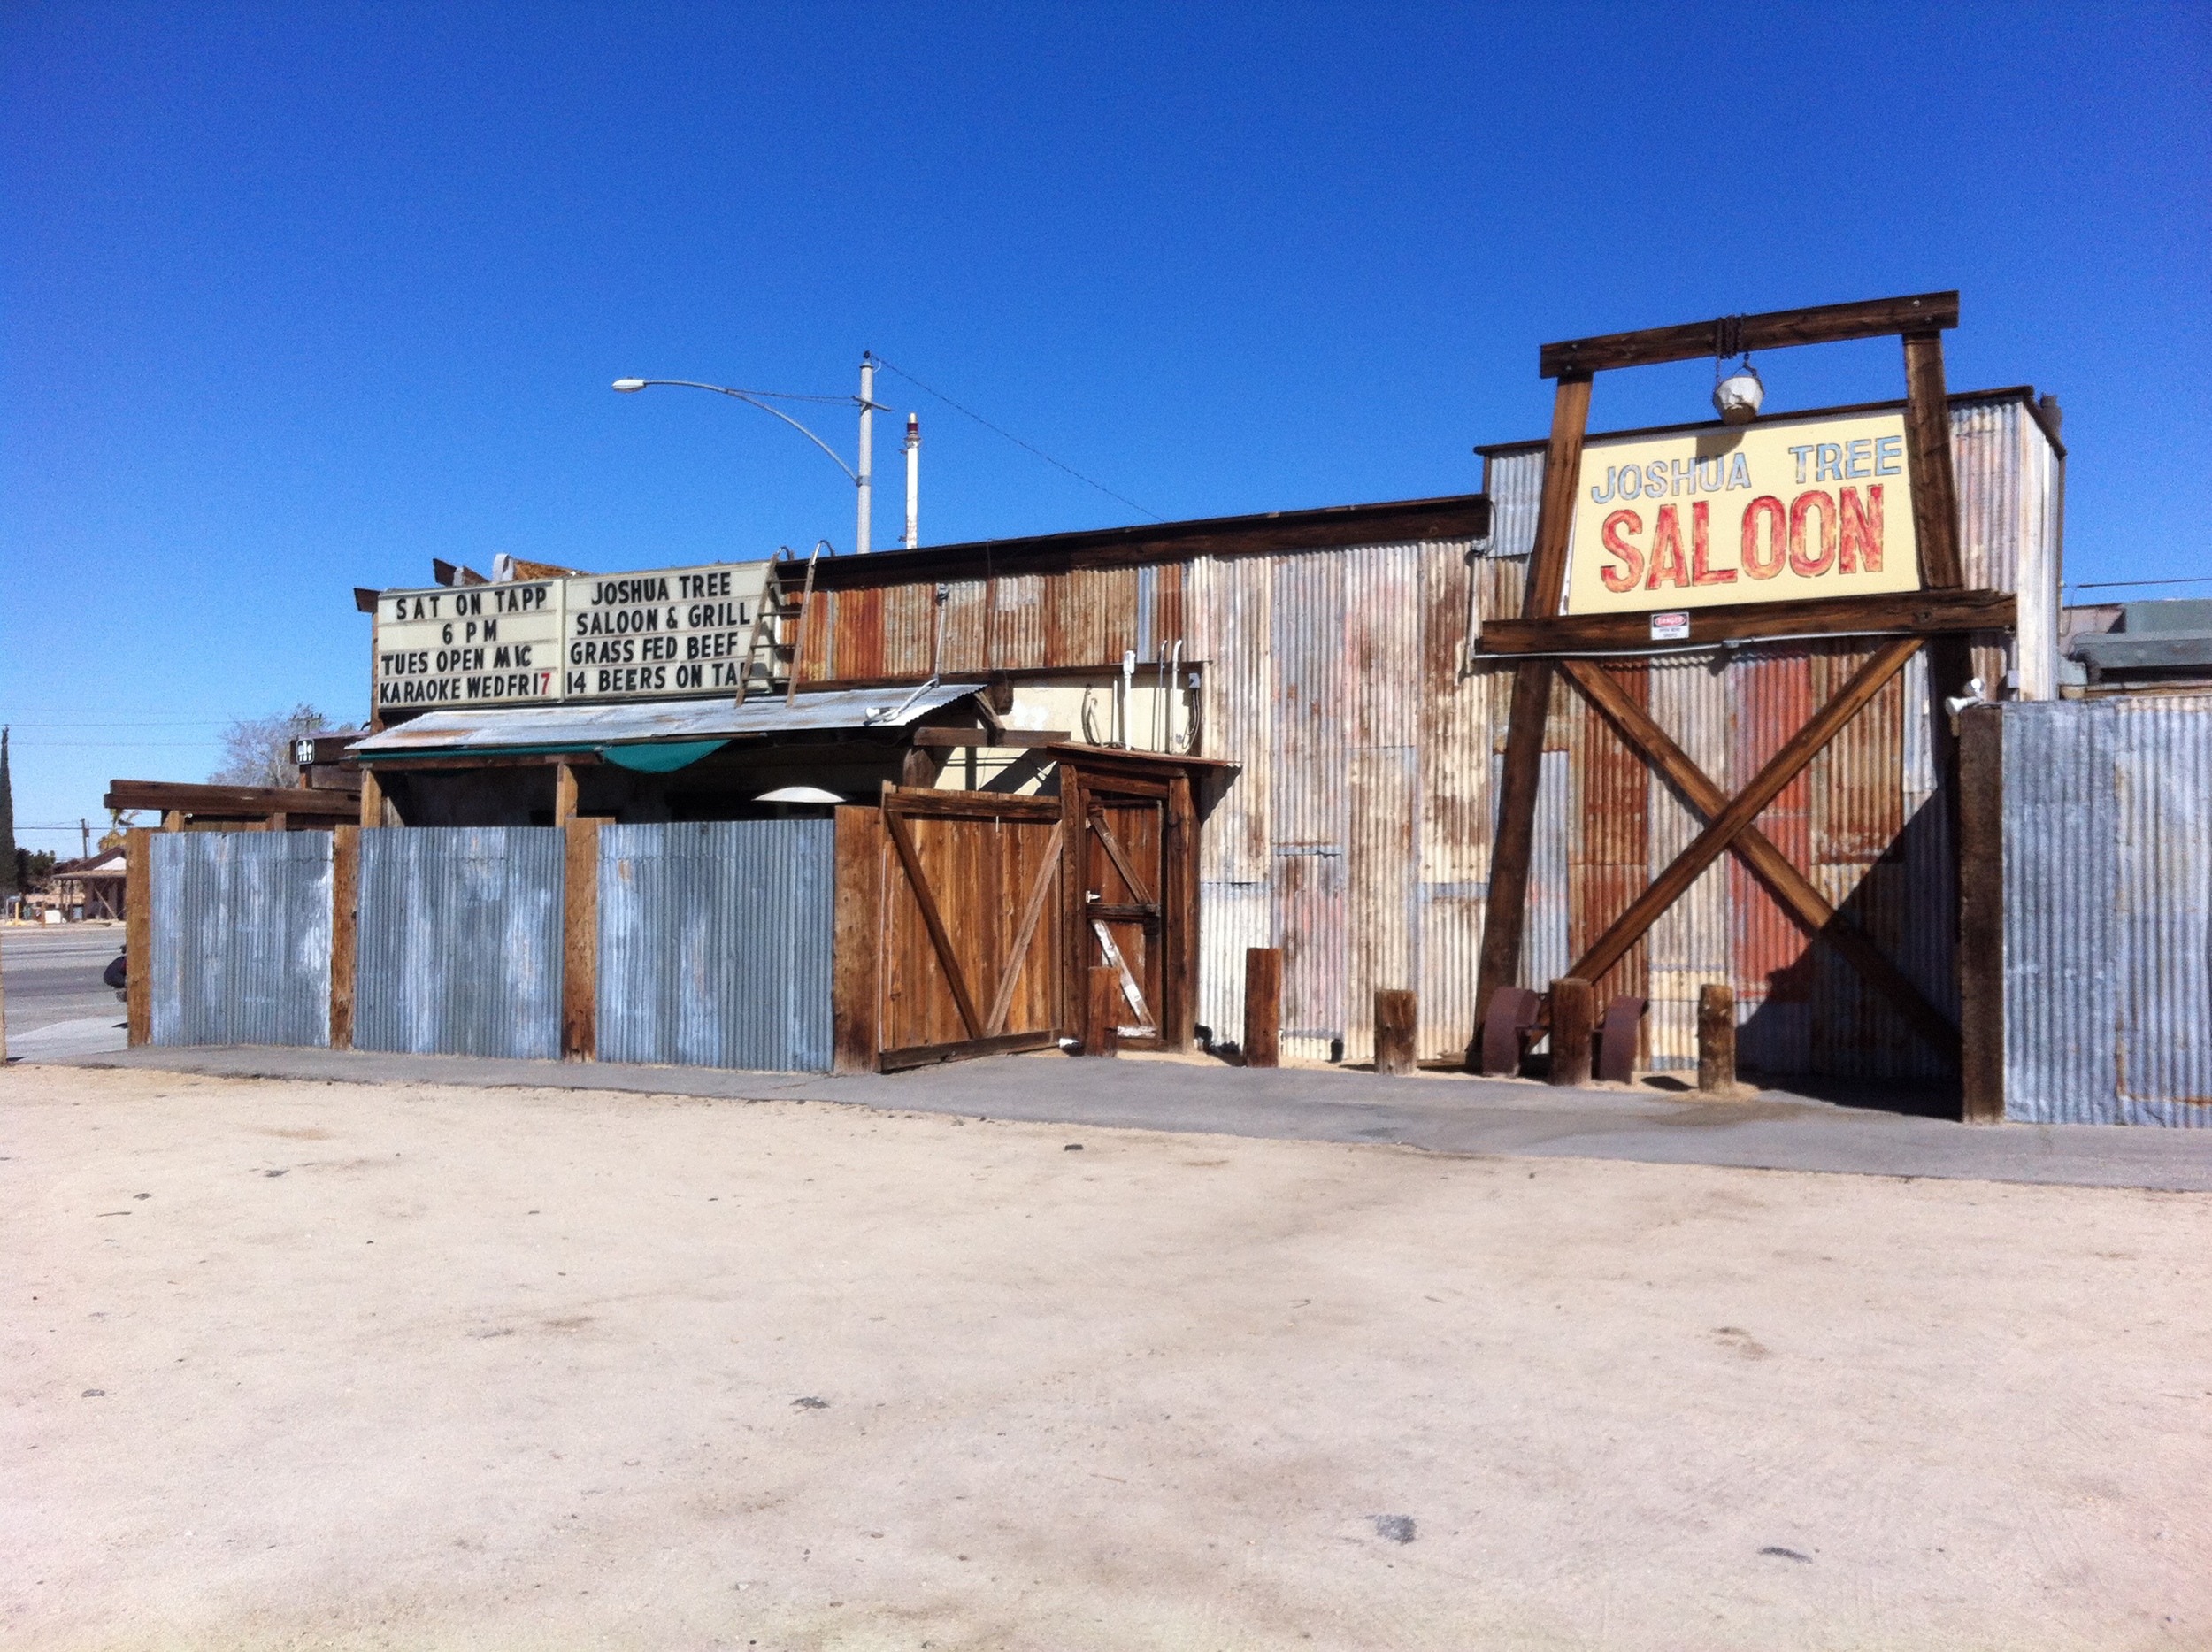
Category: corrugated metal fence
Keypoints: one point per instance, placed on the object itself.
(714, 944)
(2107, 911)
(460, 942)
(240, 938)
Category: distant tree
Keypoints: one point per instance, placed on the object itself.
(257, 750)
(10, 882)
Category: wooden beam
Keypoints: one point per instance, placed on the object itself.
(1555, 508)
(246, 802)
(1776, 329)
(1573, 1017)
(1743, 809)
(372, 799)
(345, 917)
(906, 1059)
(564, 793)
(1795, 892)
(1901, 613)
(922, 800)
(1505, 913)
(1396, 1014)
(1981, 946)
(138, 934)
(1935, 517)
(1263, 1006)
(1179, 919)
(1033, 913)
(857, 947)
(579, 942)
(1002, 740)
(903, 840)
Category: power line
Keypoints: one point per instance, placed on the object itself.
(2115, 585)
(1019, 442)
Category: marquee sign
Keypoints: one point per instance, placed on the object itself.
(664, 633)
(1780, 510)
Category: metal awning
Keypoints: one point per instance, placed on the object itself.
(515, 731)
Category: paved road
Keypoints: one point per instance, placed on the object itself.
(53, 974)
(1775, 1131)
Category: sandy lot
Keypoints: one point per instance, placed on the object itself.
(307, 1365)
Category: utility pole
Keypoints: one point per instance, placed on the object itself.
(867, 445)
(84, 832)
(913, 482)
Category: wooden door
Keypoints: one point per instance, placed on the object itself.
(1125, 884)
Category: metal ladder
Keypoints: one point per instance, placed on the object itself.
(769, 659)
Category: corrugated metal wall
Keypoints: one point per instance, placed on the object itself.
(2108, 907)
(1356, 835)
(460, 942)
(240, 938)
(715, 943)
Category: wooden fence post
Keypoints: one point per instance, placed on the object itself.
(1396, 1014)
(857, 954)
(579, 944)
(1263, 1006)
(1981, 946)
(1571, 1030)
(1717, 1038)
(138, 933)
(345, 910)
(372, 797)
(1105, 1016)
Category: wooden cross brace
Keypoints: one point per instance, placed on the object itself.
(1729, 826)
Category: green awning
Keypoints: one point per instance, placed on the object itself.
(662, 756)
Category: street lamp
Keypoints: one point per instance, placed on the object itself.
(865, 399)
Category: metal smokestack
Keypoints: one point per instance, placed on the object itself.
(867, 444)
(913, 446)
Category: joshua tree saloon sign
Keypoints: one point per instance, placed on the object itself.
(1780, 510)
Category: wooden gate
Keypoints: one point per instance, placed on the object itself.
(949, 920)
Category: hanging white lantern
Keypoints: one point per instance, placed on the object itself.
(1737, 398)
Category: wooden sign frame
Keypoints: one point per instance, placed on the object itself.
(1937, 617)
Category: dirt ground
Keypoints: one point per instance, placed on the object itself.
(307, 1365)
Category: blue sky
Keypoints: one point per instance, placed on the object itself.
(299, 296)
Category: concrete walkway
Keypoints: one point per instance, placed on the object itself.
(1441, 1113)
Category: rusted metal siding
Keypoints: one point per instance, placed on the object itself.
(2107, 911)
(966, 626)
(1773, 969)
(1452, 781)
(1689, 945)
(1233, 600)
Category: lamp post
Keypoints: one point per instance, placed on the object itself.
(861, 477)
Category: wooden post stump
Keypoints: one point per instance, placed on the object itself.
(1717, 1038)
(1263, 1006)
(1394, 1019)
(1571, 1013)
(1105, 1019)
